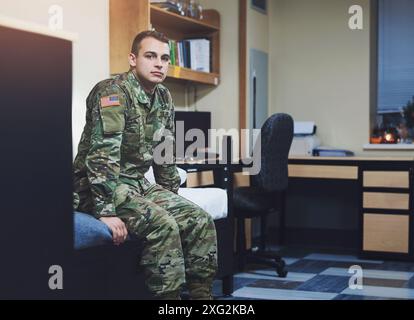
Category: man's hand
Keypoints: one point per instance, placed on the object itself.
(118, 228)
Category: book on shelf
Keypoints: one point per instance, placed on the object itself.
(200, 54)
(331, 152)
(172, 52)
(192, 54)
(187, 59)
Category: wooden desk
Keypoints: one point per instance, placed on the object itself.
(385, 197)
(381, 192)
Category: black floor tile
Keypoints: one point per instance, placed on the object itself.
(275, 284)
(410, 283)
(333, 284)
(310, 266)
(363, 265)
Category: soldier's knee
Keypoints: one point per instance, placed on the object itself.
(166, 224)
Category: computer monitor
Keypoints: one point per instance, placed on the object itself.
(185, 121)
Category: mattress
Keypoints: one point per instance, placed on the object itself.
(211, 200)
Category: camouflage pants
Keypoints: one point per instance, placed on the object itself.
(180, 240)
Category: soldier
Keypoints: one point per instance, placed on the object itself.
(117, 149)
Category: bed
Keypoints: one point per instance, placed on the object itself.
(93, 244)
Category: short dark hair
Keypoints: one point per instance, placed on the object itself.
(147, 34)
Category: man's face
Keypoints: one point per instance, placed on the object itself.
(151, 64)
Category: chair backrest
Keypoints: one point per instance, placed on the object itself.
(276, 139)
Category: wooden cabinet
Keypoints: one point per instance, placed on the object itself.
(381, 193)
(386, 233)
(387, 209)
(129, 17)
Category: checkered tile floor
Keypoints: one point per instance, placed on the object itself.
(322, 276)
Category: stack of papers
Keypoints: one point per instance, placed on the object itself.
(331, 152)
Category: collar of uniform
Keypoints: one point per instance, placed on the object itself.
(141, 94)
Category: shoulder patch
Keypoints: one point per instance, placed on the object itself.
(110, 101)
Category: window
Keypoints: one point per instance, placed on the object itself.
(395, 104)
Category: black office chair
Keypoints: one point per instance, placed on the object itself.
(266, 193)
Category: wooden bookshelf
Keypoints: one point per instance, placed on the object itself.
(185, 74)
(181, 24)
(129, 17)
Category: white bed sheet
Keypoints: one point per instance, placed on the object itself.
(211, 200)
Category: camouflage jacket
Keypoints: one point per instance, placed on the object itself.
(117, 143)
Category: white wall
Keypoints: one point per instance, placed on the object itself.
(320, 68)
(90, 21)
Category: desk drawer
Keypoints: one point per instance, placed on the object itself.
(199, 179)
(324, 172)
(241, 180)
(386, 179)
(382, 200)
(386, 233)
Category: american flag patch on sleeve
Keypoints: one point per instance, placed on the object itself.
(110, 101)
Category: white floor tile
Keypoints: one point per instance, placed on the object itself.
(290, 261)
(271, 275)
(281, 294)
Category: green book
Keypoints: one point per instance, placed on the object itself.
(172, 52)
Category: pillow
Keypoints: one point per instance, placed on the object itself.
(149, 175)
(183, 175)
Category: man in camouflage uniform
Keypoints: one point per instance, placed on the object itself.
(117, 149)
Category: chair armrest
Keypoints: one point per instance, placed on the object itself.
(242, 164)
